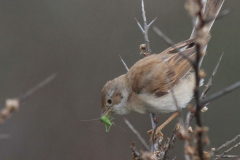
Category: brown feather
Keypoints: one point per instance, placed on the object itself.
(149, 74)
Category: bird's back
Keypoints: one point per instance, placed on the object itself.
(150, 74)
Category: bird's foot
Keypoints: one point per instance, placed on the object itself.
(158, 133)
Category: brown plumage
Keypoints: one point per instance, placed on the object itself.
(144, 88)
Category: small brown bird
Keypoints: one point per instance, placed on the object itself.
(145, 89)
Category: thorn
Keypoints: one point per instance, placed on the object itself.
(124, 63)
(139, 25)
(152, 22)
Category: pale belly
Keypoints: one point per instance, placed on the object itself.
(183, 93)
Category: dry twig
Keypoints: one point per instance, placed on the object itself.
(13, 105)
(206, 89)
(170, 43)
(225, 145)
(225, 152)
(135, 153)
(146, 27)
(221, 93)
(137, 133)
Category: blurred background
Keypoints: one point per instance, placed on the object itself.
(81, 41)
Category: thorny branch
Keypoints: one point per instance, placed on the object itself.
(145, 30)
(146, 47)
(221, 93)
(206, 89)
(197, 79)
(209, 84)
(172, 140)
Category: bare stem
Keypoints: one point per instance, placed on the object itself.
(137, 133)
(13, 105)
(170, 43)
(209, 84)
(225, 152)
(145, 28)
(226, 144)
(37, 87)
(206, 89)
(221, 93)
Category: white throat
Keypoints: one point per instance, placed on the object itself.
(121, 108)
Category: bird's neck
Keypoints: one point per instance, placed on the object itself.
(131, 100)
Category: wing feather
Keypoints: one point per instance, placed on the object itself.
(149, 74)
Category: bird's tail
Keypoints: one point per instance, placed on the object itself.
(210, 11)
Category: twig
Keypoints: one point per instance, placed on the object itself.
(209, 84)
(124, 63)
(37, 87)
(197, 78)
(229, 156)
(225, 152)
(206, 89)
(174, 158)
(137, 133)
(226, 144)
(13, 105)
(146, 27)
(170, 144)
(170, 43)
(147, 43)
(135, 153)
(221, 93)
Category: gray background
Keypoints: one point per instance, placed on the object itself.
(81, 40)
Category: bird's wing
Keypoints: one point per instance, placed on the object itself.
(150, 74)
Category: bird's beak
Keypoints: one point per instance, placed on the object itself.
(106, 112)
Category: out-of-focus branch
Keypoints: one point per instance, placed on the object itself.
(137, 133)
(200, 36)
(37, 87)
(170, 43)
(225, 152)
(221, 93)
(206, 89)
(225, 145)
(209, 84)
(13, 105)
(135, 153)
(228, 156)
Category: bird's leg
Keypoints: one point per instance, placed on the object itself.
(175, 114)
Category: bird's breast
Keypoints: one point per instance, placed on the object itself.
(183, 92)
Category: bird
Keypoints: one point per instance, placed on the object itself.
(145, 87)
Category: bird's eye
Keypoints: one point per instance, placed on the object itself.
(109, 101)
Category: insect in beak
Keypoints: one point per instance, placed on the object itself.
(108, 121)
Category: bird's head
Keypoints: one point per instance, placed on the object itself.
(114, 97)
